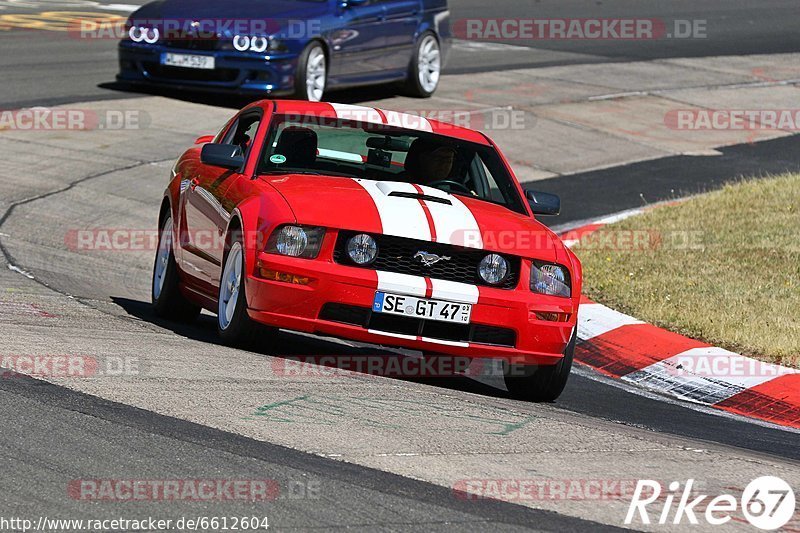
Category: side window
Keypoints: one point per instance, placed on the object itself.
(483, 182)
(242, 132)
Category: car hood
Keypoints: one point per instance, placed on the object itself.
(392, 208)
(241, 11)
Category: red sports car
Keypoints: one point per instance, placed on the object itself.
(369, 225)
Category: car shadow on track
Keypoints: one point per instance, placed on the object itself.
(353, 95)
(298, 349)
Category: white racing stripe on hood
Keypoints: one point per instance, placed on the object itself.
(455, 224)
(401, 284)
(454, 291)
(400, 217)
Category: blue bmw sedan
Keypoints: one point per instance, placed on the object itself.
(286, 47)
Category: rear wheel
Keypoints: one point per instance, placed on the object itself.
(311, 76)
(168, 302)
(234, 325)
(540, 383)
(425, 67)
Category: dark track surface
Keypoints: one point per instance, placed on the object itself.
(118, 441)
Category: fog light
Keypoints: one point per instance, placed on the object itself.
(493, 269)
(362, 249)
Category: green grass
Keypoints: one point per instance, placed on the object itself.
(722, 267)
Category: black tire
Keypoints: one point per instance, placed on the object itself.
(540, 384)
(413, 87)
(169, 303)
(301, 76)
(242, 331)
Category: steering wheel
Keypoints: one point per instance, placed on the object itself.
(463, 188)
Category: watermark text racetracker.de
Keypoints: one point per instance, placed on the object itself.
(243, 33)
(733, 119)
(549, 29)
(70, 119)
(67, 366)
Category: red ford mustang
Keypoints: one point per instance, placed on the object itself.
(369, 225)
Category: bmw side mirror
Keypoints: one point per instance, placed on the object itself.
(222, 155)
(543, 203)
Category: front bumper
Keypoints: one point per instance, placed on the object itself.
(234, 72)
(299, 307)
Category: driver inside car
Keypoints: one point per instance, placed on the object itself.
(427, 163)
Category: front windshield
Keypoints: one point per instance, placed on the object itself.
(319, 145)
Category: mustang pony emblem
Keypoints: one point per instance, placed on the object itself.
(430, 259)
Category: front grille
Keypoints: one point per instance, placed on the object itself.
(396, 254)
(191, 74)
(364, 317)
(189, 42)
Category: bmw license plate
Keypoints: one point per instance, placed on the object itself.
(187, 61)
(412, 306)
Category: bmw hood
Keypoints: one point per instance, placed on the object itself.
(414, 212)
(245, 13)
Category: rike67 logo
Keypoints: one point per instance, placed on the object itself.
(767, 503)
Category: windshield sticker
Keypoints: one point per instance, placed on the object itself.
(277, 159)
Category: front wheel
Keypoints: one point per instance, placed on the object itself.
(311, 75)
(168, 302)
(425, 67)
(540, 383)
(234, 325)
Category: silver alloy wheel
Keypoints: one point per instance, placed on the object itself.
(429, 63)
(230, 286)
(162, 258)
(315, 74)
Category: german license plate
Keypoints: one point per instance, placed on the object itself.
(187, 61)
(425, 308)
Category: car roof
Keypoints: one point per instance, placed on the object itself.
(371, 115)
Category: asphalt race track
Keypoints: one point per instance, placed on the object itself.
(361, 452)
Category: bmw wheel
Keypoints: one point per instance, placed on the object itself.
(168, 302)
(234, 325)
(311, 76)
(425, 68)
(540, 384)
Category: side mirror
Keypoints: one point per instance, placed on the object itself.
(543, 203)
(222, 155)
(204, 139)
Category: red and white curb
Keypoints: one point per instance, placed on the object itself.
(622, 347)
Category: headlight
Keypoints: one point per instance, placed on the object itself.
(550, 279)
(148, 35)
(493, 269)
(245, 43)
(362, 249)
(296, 241)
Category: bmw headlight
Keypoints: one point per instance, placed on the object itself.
(493, 269)
(296, 241)
(140, 33)
(250, 43)
(550, 279)
(362, 249)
